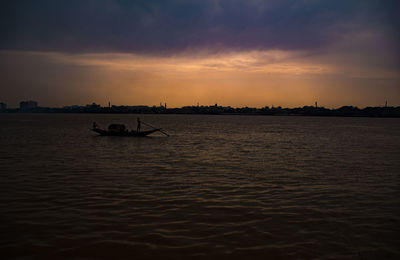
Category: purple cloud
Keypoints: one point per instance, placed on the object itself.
(164, 27)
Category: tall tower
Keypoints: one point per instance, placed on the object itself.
(316, 104)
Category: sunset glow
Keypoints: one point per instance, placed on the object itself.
(359, 65)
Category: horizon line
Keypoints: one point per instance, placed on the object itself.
(316, 105)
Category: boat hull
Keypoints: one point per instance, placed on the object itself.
(131, 133)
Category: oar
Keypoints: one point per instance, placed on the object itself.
(155, 128)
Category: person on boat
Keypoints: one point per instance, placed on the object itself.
(94, 125)
(138, 125)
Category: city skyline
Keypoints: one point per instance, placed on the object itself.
(234, 53)
(198, 104)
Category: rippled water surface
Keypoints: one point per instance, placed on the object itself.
(258, 187)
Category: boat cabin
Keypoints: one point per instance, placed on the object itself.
(116, 128)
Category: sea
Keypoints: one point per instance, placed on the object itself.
(219, 187)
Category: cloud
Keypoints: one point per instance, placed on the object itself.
(241, 52)
(273, 61)
(158, 27)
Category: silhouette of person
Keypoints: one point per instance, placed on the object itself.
(94, 125)
(138, 124)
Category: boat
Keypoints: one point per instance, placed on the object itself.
(121, 130)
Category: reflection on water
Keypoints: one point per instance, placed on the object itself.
(230, 186)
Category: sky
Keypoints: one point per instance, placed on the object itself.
(237, 53)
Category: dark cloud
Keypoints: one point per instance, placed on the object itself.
(160, 26)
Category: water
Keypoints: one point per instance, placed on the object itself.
(239, 187)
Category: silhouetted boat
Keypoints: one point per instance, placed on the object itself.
(120, 130)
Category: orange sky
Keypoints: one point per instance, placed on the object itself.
(252, 78)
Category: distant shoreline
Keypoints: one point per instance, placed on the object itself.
(345, 111)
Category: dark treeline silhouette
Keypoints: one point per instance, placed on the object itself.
(385, 111)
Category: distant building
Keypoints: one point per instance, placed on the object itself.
(93, 105)
(3, 106)
(28, 104)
